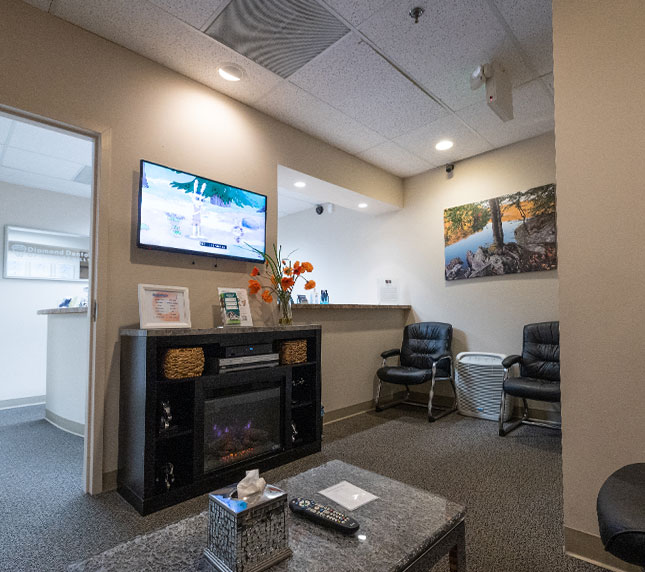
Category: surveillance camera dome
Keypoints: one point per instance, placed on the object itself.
(450, 167)
(319, 209)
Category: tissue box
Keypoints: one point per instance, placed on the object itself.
(247, 539)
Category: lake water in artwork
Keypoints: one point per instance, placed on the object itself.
(482, 238)
(508, 234)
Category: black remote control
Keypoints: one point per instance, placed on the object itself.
(323, 514)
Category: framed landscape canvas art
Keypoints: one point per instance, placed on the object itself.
(505, 235)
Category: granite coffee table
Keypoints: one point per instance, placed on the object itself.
(405, 529)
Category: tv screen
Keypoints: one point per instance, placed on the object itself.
(185, 213)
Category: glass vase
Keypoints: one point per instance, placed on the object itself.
(286, 314)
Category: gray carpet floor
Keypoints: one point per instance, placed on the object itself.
(511, 486)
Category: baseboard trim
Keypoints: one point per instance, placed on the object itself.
(72, 427)
(589, 548)
(110, 481)
(437, 401)
(345, 412)
(22, 402)
(446, 401)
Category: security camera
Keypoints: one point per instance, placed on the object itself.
(450, 167)
(320, 209)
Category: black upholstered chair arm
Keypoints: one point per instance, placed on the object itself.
(509, 361)
(391, 353)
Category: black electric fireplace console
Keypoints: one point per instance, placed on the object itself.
(179, 438)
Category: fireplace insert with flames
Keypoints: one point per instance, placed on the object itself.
(240, 426)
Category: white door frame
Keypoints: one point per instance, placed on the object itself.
(97, 295)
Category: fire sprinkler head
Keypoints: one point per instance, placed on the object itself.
(416, 13)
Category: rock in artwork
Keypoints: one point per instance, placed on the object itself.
(505, 235)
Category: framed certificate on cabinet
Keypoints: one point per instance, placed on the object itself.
(162, 307)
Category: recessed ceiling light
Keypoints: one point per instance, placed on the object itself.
(231, 72)
(362, 205)
(300, 184)
(443, 145)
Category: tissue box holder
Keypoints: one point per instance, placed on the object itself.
(251, 540)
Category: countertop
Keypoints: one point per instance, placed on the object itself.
(351, 307)
(77, 310)
(222, 330)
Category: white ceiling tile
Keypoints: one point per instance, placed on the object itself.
(531, 25)
(5, 127)
(356, 11)
(197, 13)
(22, 160)
(41, 4)
(395, 159)
(532, 110)
(37, 181)
(354, 79)
(442, 50)
(51, 142)
(422, 141)
(152, 32)
(294, 106)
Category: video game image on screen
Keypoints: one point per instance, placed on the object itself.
(183, 212)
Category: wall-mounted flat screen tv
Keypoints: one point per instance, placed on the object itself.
(181, 212)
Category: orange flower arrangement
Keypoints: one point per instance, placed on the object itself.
(282, 277)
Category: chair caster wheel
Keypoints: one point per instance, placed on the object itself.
(378, 409)
(502, 433)
(431, 419)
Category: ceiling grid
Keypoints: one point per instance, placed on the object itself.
(385, 90)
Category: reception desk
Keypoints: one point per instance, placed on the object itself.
(67, 367)
(353, 337)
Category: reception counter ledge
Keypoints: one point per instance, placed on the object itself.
(351, 307)
(353, 337)
(67, 367)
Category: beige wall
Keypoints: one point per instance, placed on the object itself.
(352, 341)
(143, 110)
(488, 314)
(600, 142)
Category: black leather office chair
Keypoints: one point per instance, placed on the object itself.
(621, 514)
(539, 373)
(424, 356)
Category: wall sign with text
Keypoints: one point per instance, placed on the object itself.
(162, 307)
(36, 254)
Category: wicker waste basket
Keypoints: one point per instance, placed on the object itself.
(179, 363)
(247, 536)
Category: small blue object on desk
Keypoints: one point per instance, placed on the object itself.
(234, 504)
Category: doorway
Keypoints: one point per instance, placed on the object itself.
(47, 180)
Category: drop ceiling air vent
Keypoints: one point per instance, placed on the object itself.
(280, 35)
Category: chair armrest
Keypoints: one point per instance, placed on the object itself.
(511, 360)
(436, 358)
(391, 353)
